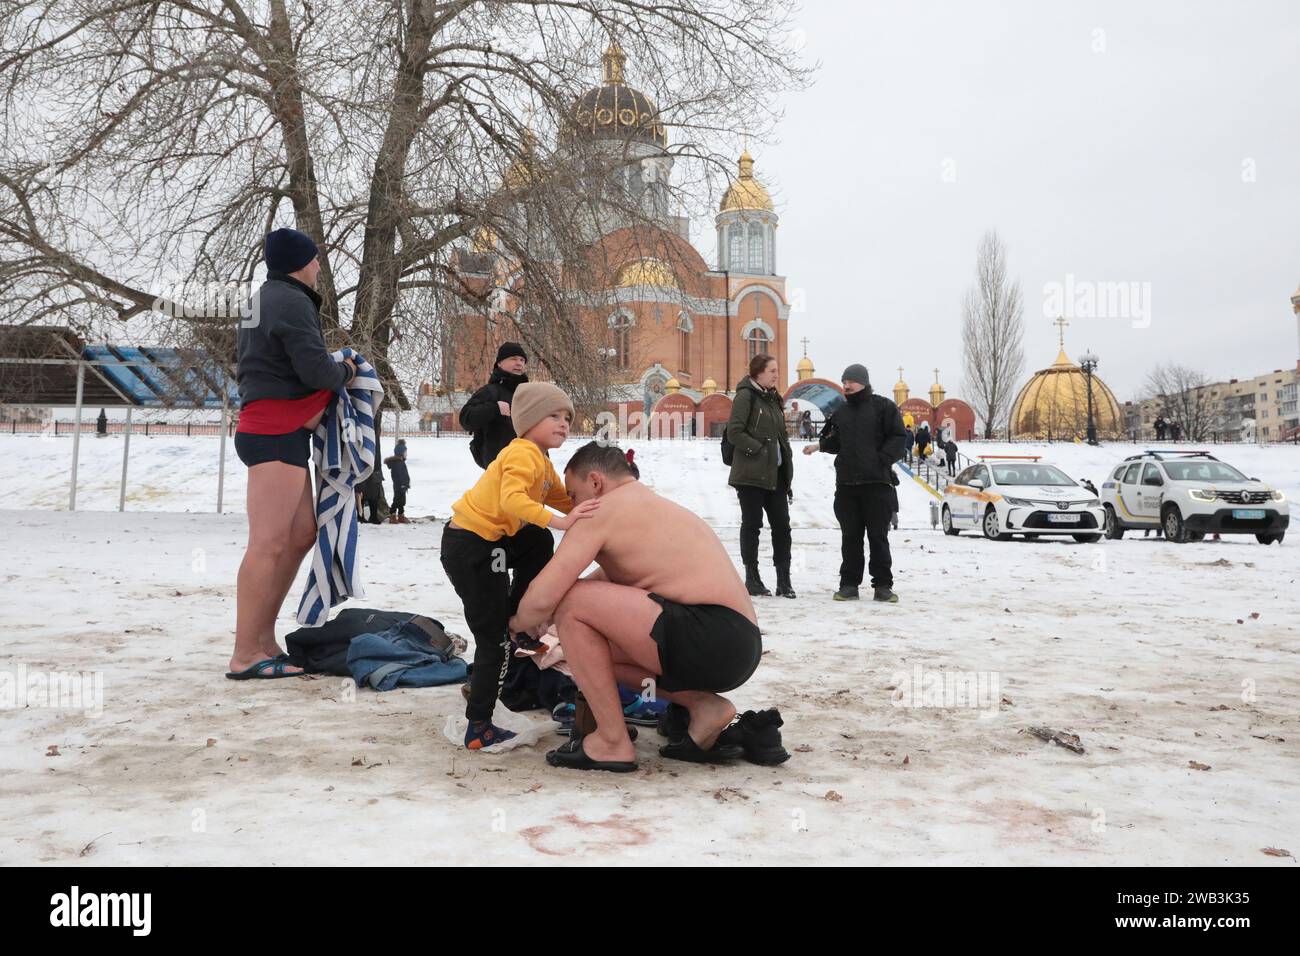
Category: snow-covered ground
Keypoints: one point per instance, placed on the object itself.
(1161, 658)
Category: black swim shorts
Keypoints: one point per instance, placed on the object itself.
(704, 647)
(292, 448)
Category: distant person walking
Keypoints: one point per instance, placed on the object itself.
(762, 472)
(922, 442)
(286, 378)
(950, 453)
(397, 470)
(486, 416)
(866, 436)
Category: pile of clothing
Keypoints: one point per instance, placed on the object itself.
(381, 649)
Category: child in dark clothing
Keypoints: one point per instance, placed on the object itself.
(396, 463)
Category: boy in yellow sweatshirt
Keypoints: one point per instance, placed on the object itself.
(502, 523)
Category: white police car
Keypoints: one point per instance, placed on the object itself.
(1186, 494)
(1020, 494)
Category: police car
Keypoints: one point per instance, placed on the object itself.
(1187, 494)
(1020, 494)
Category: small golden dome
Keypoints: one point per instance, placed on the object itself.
(709, 386)
(672, 385)
(522, 172)
(485, 239)
(746, 192)
(805, 365)
(653, 272)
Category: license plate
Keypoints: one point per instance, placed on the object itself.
(1063, 519)
(1247, 514)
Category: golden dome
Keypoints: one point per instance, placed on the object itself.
(653, 272)
(901, 390)
(804, 369)
(485, 239)
(672, 385)
(1054, 404)
(709, 386)
(746, 192)
(522, 171)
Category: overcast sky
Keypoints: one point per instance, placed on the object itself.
(1109, 141)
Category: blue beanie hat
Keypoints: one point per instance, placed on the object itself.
(400, 447)
(288, 250)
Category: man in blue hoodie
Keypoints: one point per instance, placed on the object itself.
(866, 436)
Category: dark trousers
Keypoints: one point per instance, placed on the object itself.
(753, 503)
(952, 467)
(398, 507)
(865, 510)
(479, 571)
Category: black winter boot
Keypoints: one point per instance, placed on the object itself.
(783, 587)
(754, 584)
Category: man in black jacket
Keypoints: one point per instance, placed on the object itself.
(487, 413)
(866, 436)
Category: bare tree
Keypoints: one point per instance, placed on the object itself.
(993, 331)
(147, 146)
(1185, 398)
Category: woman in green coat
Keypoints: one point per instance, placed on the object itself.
(762, 470)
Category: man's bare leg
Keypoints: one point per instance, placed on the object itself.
(710, 713)
(302, 538)
(277, 493)
(605, 631)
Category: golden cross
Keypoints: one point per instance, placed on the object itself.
(900, 373)
(1061, 323)
(936, 376)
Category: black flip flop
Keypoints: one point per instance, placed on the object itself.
(688, 750)
(276, 665)
(572, 756)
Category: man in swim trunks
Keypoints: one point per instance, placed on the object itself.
(666, 606)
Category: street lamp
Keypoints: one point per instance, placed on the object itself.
(1088, 362)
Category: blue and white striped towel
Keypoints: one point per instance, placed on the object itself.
(343, 448)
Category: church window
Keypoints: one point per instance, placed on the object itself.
(756, 247)
(622, 329)
(736, 259)
(684, 344)
(756, 344)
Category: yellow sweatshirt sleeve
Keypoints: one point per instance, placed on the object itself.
(518, 476)
(559, 498)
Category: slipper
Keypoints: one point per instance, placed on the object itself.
(688, 750)
(258, 670)
(572, 755)
(566, 725)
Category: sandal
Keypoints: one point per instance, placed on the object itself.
(688, 750)
(276, 664)
(572, 755)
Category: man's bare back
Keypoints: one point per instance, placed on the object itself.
(654, 544)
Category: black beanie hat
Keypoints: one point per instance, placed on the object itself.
(510, 350)
(856, 373)
(288, 250)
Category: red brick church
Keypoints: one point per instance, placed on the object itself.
(672, 326)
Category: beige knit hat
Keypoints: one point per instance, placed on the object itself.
(533, 401)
